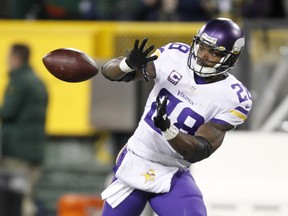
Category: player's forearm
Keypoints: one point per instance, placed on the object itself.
(112, 71)
(208, 138)
(192, 148)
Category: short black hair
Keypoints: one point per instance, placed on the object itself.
(22, 50)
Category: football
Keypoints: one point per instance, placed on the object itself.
(70, 65)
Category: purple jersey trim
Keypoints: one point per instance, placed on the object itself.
(219, 121)
(161, 49)
(198, 79)
(242, 110)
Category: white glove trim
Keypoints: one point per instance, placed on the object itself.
(171, 132)
(125, 67)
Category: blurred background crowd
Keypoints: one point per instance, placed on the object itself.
(141, 10)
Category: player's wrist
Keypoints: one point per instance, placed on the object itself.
(171, 132)
(125, 67)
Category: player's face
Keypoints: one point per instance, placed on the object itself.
(14, 61)
(207, 56)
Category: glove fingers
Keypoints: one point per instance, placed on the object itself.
(147, 51)
(152, 58)
(157, 120)
(158, 103)
(136, 43)
(162, 107)
(165, 99)
(158, 100)
(161, 120)
(143, 44)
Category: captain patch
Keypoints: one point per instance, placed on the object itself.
(174, 77)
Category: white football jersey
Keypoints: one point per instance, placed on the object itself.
(190, 104)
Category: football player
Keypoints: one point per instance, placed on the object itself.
(194, 102)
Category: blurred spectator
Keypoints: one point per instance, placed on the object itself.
(87, 9)
(51, 9)
(91, 9)
(263, 8)
(148, 10)
(3, 9)
(177, 10)
(141, 10)
(124, 10)
(224, 7)
(19, 9)
(23, 115)
(117, 9)
(196, 10)
(62, 9)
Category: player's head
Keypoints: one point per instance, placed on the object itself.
(19, 56)
(216, 47)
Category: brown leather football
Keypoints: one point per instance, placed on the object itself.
(70, 65)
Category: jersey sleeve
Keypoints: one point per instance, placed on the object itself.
(235, 116)
(237, 111)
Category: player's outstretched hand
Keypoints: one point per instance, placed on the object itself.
(161, 120)
(137, 58)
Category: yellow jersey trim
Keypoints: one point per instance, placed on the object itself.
(238, 114)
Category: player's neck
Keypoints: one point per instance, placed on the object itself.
(206, 80)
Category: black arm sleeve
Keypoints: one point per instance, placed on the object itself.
(129, 77)
(203, 150)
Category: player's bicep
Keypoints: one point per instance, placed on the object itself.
(214, 133)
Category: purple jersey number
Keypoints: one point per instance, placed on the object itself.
(178, 46)
(242, 92)
(184, 114)
(181, 47)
